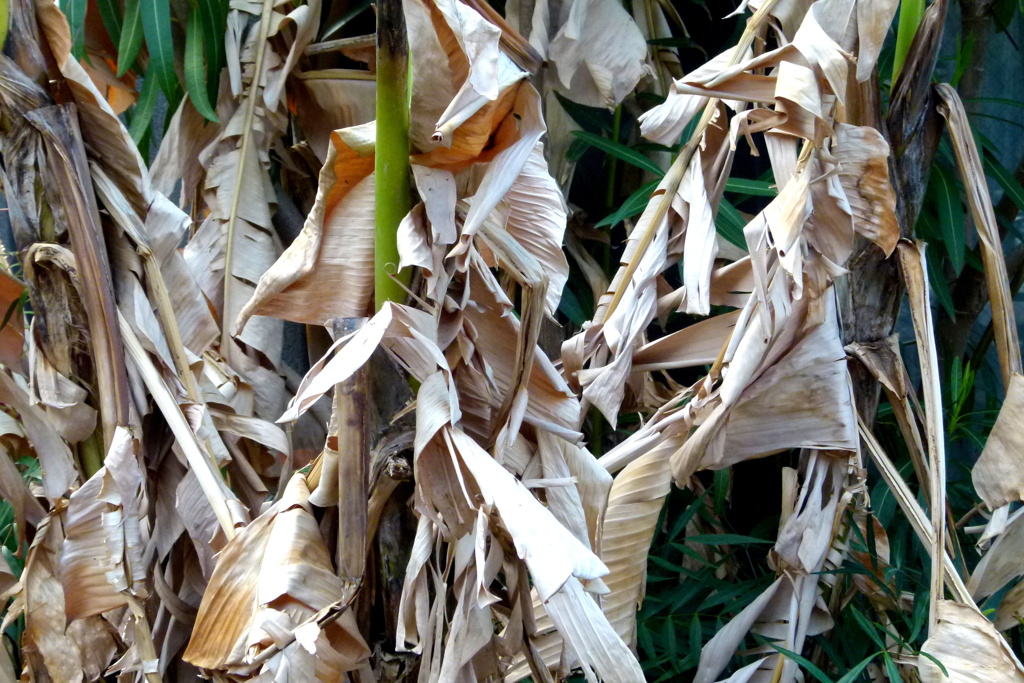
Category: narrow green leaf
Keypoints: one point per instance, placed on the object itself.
(570, 306)
(620, 151)
(1005, 178)
(633, 205)
(17, 304)
(852, 674)
(75, 10)
(643, 636)
(741, 593)
(592, 119)
(669, 633)
(964, 50)
(156, 26)
(891, 669)
(131, 37)
(213, 15)
(726, 539)
(937, 279)
(730, 224)
(867, 627)
(951, 215)
(995, 100)
(956, 377)
(110, 15)
(142, 113)
(195, 68)
(684, 519)
(759, 188)
(696, 637)
(805, 663)
(722, 484)
(935, 661)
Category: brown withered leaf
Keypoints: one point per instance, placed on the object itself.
(269, 582)
(327, 272)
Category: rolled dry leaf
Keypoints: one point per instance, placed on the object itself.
(980, 203)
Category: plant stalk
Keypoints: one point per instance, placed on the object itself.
(391, 180)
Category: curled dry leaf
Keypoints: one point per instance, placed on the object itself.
(969, 648)
(269, 584)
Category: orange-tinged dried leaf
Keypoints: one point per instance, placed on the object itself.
(270, 581)
(327, 272)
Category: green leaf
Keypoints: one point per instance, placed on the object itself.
(937, 279)
(956, 377)
(195, 68)
(142, 113)
(620, 151)
(742, 593)
(934, 661)
(16, 305)
(759, 188)
(213, 16)
(726, 539)
(867, 627)
(1005, 179)
(891, 669)
(684, 519)
(131, 37)
(570, 306)
(156, 26)
(669, 633)
(852, 674)
(995, 100)
(696, 637)
(911, 13)
(951, 215)
(16, 563)
(722, 484)
(110, 15)
(75, 10)
(592, 119)
(633, 205)
(730, 224)
(805, 663)
(964, 50)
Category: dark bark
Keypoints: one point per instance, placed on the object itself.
(874, 289)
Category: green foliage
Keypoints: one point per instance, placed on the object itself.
(74, 10)
(130, 38)
(151, 26)
(156, 27)
(195, 66)
(942, 190)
